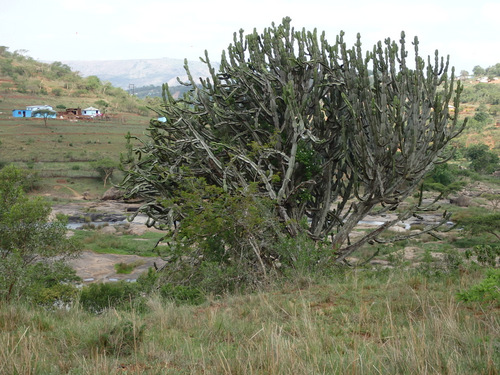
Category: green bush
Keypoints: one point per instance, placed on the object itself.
(482, 117)
(29, 243)
(126, 268)
(51, 282)
(226, 241)
(182, 294)
(485, 254)
(57, 91)
(97, 298)
(488, 290)
(443, 178)
(55, 296)
(478, 224)
(482, 159)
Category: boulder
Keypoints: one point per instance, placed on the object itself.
(461, 201)
(112, 194)
(108, 230)
(137, 230)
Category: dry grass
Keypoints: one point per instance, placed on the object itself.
(389, 322)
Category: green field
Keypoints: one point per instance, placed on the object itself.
(61, 152)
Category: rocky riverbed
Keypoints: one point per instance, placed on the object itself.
(96, 267)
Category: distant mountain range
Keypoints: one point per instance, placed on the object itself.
(138, 73)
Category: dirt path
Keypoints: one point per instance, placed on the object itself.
(76, 194)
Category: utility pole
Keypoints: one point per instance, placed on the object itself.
(131, 89)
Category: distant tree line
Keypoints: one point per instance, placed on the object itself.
(156, 91)
(490, 72)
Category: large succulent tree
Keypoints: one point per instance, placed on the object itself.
(328, 133)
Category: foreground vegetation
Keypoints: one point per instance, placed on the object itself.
(351, 322)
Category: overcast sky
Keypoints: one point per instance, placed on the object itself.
(62, 30)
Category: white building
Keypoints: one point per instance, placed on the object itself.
(91, 111)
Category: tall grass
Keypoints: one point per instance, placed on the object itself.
(390, 322)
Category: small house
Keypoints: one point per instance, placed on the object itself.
(29, 110)
(70, 113)
(91, 111)
(21, 113)
(73, 111)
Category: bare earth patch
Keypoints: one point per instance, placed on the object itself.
(95, 267)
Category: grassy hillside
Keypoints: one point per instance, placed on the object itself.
(56, 84)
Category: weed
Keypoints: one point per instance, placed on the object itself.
(484, 254)
(126, 268)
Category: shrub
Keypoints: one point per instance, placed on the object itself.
(480, 223)
(481, 116)
(97, 298)
(482, 159)
(48, 283)
(29, 243)
(127, 267)
(226, 241)
(485, 254)
(57, 91)
(182, 294)
(488, 290)
(443, 178)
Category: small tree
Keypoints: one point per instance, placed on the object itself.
(464, 74)
(105, 167)
(478, 71)
(478, 224)
(482, 159)
(44, 113)
(27, 238)
(102, 104)
(92, 83)
(326, 132)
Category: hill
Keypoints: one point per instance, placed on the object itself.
(56, 84)
(145, 72)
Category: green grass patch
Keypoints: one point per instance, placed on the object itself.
(113, 244)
